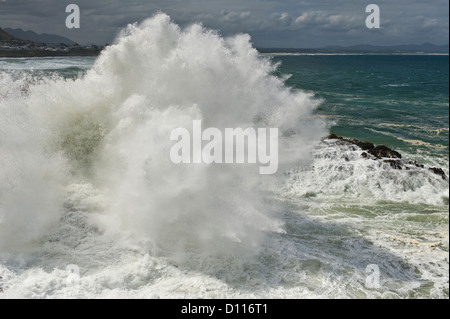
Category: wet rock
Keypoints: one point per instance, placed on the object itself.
(438, 171)
(363, 145)
(386, 154)
(382, 151)
(396, 164)
(416, 164)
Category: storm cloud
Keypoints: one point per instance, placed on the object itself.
(284, 23)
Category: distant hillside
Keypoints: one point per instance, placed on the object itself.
(423, 48)
(426, 47)
(33, 36)
(4, 36)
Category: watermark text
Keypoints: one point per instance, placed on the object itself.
(373, 19)
(233, 146)
(73, 19)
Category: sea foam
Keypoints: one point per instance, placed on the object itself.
(107, 134)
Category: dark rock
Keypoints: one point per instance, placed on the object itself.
(334, 137)
(395, 164)
(381, 152)
(378, 151)
(360, 144)
(363, 145)
(438, 171)
(416, 164)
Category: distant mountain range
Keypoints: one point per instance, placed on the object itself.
(6, 36)
(16, 43)
(426, 47)
(421, 48)
(33, 36)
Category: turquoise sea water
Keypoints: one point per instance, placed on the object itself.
(401, 101)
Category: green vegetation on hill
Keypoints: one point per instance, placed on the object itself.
(6, 36)
(40, 53)
(12, 47)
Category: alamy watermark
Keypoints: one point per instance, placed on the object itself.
(373, 19)
(373, 278)
(233, 146)
(73, 279)
(73, 19)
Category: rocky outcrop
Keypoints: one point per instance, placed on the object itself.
(439, 171)
(385, 154)
(380, 151)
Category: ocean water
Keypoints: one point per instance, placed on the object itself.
(92, 207)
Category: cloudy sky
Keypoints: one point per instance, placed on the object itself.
(281, 23)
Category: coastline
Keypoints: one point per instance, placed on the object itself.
(353, 53)
(43, 54)
(96, 52)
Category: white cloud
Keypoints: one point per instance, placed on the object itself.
(234, 16)
(270, 22)
(323, 20)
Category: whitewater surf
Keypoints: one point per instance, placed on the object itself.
(87, 184)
